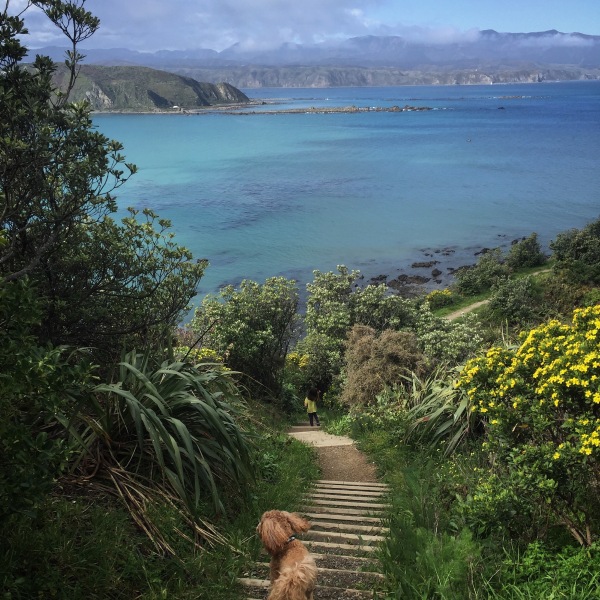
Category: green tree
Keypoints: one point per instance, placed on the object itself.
(481, 277)
(335, 304)
(251, 328)
(516, 301)
(38, 385)
(526, 253)
(577, 254)
(104, 284)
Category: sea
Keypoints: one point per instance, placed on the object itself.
(260, 194)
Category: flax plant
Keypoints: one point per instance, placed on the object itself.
(167, 435)
(438, 412)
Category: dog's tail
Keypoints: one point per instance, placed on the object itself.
(295, 582)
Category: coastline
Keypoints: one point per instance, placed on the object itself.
(425, 270)
(244, 109)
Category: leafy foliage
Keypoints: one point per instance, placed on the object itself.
(516, 301)
(577, 254)
(119, 285)
(165, 433)
(376, 361)
(445, 341)
(526, 253)
(543, 572)
(335, 304)
(439, 413)
(105, 285)
(541, 404)
(185, 413)
(479, 278)
(440, 298)
(37, 384)
(252, 328)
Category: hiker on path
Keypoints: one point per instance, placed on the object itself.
(310, 402)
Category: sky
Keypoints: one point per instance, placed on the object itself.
(150, 25)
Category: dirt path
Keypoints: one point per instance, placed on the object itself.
(463, 311)
(339, 458)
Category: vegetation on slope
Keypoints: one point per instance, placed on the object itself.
(145, 89)
(136, 457)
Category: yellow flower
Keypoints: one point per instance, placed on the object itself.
(556, 456)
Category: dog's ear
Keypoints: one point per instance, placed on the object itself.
(297, 523)
(273, 532)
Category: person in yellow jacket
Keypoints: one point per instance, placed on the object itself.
(310, 402)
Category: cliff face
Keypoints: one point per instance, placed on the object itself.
(320, 77)
(144, 89)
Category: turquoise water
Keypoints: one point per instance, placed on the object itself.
(263, 195)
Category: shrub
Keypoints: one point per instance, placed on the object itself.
(516, 301)
(438, 413)
(561, 295)
(164, 434)
(376, 361)
(440, 298)
(39, 389)
(541, 405)
(316, 361)
(252, 328)
(526, 253)
(544, 572)
(474, 280)
(577, 254)
(442, 340)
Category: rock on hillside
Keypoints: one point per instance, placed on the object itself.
(145, 89)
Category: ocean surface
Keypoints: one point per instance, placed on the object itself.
(282, 194)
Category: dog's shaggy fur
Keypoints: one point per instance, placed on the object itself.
(293, 569)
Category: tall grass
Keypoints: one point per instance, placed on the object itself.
(84, 545)
(420, 557)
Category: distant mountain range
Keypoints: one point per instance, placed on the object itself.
(487, 57)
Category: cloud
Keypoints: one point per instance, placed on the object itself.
(152, 25)
(553, 40)
(156, 24)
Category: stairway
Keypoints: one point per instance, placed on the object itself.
(345, 517)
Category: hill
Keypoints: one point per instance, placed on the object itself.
(481, 57)
(144, 89)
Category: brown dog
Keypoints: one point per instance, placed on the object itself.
(293, 569)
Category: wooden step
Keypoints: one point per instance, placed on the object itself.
(368, 506)
(338, 548)
(259, 588)
(358, 498)
(339, 536)
(364, 493)
(345, 527)
(325, 510)
(332, 577)
(359, 484)
(346, 519)
(317, 516)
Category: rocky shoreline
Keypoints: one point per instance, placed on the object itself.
(243, 109)
(333, 109)
(432, 268)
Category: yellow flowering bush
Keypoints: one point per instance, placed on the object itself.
(297, 360)
(440, 298)
(198, 355)
(541, 407)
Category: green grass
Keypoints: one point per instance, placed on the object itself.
(84, 545)
(431, 554)
(543, 273)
